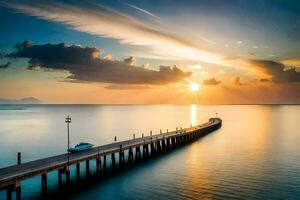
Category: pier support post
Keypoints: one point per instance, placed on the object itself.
(158, 147)
(173, 142)
(60, 171)
(87, 164)
(98, 165)
(163, 144)
(130, 155)
(18, 190)
(9, 191)
(113, 160)
(168, 143)
(137, 153)
(145, 151)
(121, 157)
(104, 163)
(178, 140)
(68, 178)
(44, 182)
(78, 170)
(152, 153)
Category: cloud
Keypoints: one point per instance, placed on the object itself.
(109, 23)
(293, 63)
(141, 10)
(85, 64)
(130, 60)
(195, 66)
(127, 87)
(278, 72)
(204, 73)
(162, 43)
(5, 65)
(237, 81)
(211, 81)
(108, 57)
(264, 80)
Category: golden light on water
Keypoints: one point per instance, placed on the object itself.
(193, 111)
(194, 87)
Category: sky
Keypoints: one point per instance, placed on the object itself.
(151, 52)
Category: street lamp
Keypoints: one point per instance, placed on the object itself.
(68, 121)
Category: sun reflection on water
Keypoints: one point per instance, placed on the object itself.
(193, 110)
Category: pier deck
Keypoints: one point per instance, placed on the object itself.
(12, 175)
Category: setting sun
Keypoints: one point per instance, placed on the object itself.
(194, 87)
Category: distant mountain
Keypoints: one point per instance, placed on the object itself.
(27, 100)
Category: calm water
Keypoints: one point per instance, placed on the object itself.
(255, 155)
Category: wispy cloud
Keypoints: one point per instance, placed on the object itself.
(127, 87)
(113, 24)
(141, 10)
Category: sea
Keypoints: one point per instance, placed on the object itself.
(254, 155)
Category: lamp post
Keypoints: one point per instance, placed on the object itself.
(68, 121)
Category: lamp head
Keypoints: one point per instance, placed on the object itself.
(68, 119)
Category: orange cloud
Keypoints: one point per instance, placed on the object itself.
(211, 81)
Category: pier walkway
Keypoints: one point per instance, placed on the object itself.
(143, 147)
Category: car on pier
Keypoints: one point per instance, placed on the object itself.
(82, 146)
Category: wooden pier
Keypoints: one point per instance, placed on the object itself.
(137, 149)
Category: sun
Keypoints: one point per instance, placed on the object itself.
(194, 87)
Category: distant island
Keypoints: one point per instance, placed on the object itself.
(26, 100)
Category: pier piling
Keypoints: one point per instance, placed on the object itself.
(130, 155)
(9, 191)
(137, 153)
(113, 160)
(60, 171)
(18, 190)
(67, 172)
(44, 182)
(121, 156)
(87, 164)
(104, 163)
(78, 170)
(98, 165)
